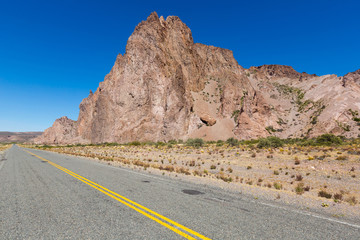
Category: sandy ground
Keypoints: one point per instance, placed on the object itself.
(324, 179)
(3, 147)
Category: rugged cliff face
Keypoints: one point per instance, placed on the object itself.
(166, 87)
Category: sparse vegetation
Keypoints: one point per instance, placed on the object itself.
(328, 140)
(270, 142)
(299, 189)
(197, 142)
(277, 186)
(235, 115)
(232, 142)
(265, 163)
(324, 194)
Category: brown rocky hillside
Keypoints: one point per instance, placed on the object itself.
(18, 137)
(166, 87)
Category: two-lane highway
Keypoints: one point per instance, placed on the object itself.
(45, 195)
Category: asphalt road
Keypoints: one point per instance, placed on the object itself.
(41, 199)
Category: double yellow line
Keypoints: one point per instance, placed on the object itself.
(164, 221)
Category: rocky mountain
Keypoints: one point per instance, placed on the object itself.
(167, 87)
(18, 137)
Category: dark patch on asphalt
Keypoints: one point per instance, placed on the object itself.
(44, 161)
(4, 159)
(191, 192)
(145, 181)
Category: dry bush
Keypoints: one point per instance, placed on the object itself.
(338, 196)
(299, 177)
(341, 158)
(297, 161)
(324, 194)
(183, 170)
(351, 200)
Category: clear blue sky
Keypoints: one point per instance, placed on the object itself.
(53, 52)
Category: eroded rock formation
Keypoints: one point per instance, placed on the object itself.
(164, 85)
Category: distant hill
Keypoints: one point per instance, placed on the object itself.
(20, 137)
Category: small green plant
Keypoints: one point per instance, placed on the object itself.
(344, 126)
(328, 140)
(219, 143)
(277, 186)
(270, 142)
(235, 115)
(172, 141)
(232, 142)
(134, 143)
(197, 142)
(159, 144)
(299, 189)
(270, 129)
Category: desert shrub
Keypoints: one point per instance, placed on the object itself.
(299, 177)
(219, 143)
(183, 170)
(338, 196)
(299, 189)
(196, 142)
(106, 144)
(134, 143)
(172, 141)
(324, 194)
(341, 158)
(232, 142)
(277, 186)
(249, 142)
(268, 142)
(328, 139)
(306, 142)
(352, 200)
(159, 144)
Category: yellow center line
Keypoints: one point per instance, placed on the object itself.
(127, 202)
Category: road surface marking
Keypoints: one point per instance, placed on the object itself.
(127, 202)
